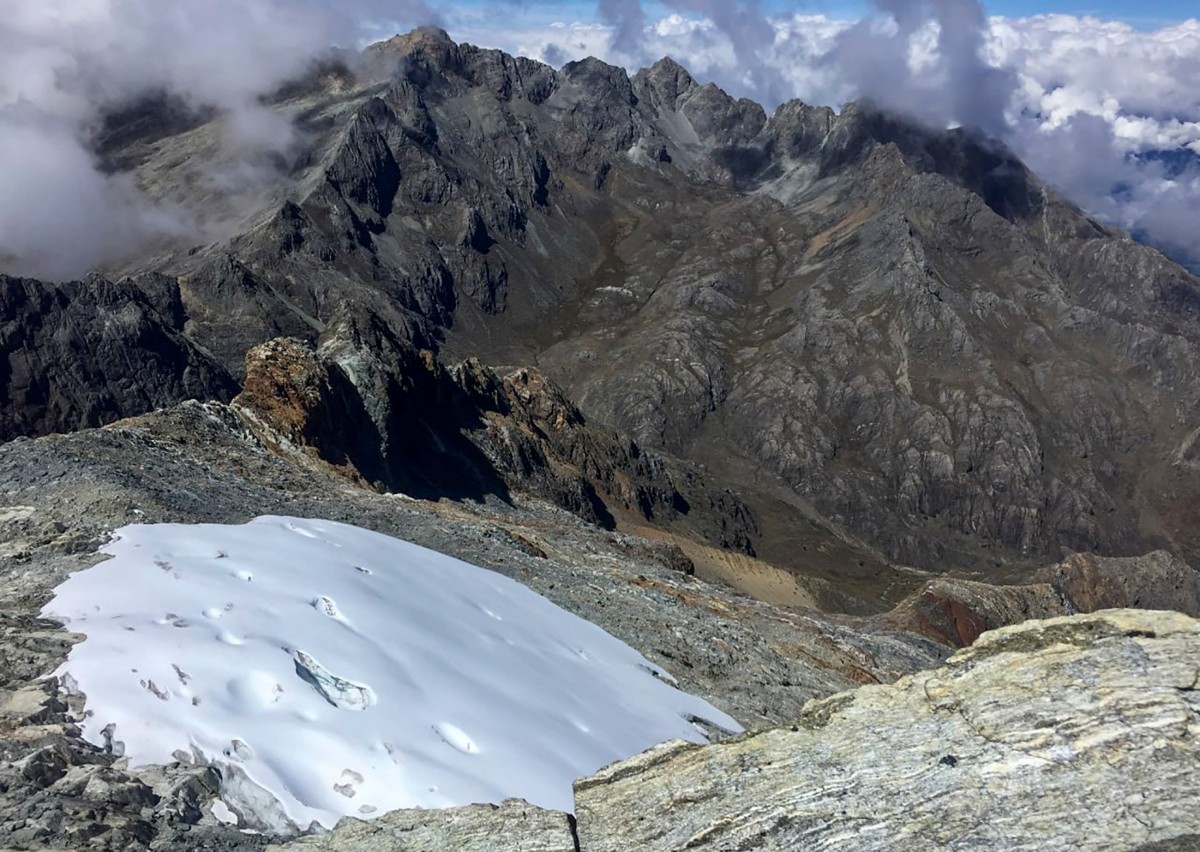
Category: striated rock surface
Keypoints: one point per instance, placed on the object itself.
(1068, 733)
(512, 826)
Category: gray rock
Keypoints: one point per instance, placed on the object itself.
(87, 353)
(61, 496)
(514, 826)
(1070, 733)
(894, 340)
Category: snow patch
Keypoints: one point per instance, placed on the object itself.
(329, 671)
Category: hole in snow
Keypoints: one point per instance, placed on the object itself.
(152, 688)
(341, 693)
(393, 753)
(254, 691)
(239, 750)
(326, 606)
(302, 531)
(348, 784)
(659, 674)
(456, 738)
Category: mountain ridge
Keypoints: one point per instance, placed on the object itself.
(890, 331)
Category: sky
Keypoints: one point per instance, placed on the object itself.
(1100, 97)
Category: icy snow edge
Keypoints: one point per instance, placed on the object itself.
(328, 671)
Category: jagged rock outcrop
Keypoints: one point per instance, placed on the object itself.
(957, 611)
(1071, 733)
(1155, 581)
(87, 353)
(391, 416)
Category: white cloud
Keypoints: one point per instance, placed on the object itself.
(1083, 100)
(63, 63)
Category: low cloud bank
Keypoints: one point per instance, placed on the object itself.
(62, 64)
(1108, 114)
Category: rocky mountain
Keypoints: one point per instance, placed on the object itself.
(889, 340)
(85, 354)
(790, 403)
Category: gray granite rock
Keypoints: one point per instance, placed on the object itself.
(1073, 733)
(513, 826)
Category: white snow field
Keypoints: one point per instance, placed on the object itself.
(331, 671)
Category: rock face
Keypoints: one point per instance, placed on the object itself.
(877, 334)
(1155, 581)
(87, 353)
(957, 611)
(1069, 733)
(396, 418)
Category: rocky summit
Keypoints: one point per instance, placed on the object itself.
(816, 410)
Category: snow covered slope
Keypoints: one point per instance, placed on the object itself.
(333, 671)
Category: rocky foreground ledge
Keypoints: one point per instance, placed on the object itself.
(1069, 733)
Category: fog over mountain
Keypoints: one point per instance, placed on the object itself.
(1106, 113)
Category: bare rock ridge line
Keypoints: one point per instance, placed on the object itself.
(893, 339)
(1070, 733)
(956, 611)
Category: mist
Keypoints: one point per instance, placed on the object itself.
(1090, 105)
(1098, 109)
(63, 64)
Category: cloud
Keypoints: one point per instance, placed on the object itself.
(1111, 116)
(1108, 114)
(62, 64)
(926, 58)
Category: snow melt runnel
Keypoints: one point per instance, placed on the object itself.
(330, 671)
